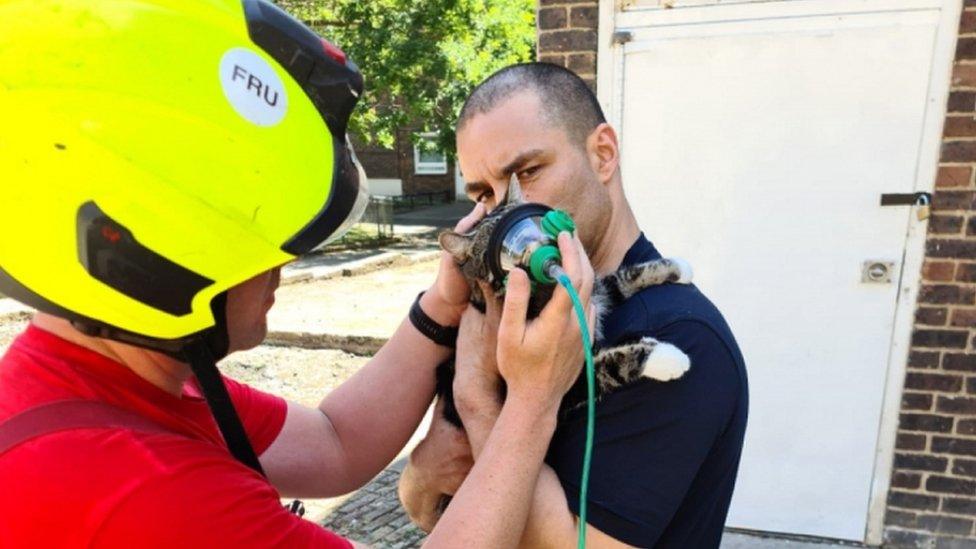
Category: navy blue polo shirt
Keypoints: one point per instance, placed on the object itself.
(665, 454)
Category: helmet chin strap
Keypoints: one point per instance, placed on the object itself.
(198, 355)
(202, 354)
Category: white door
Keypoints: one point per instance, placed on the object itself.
(757, 139)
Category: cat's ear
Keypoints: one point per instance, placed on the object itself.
(456, 244)
(514, 193)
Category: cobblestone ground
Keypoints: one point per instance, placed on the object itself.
(9, 329)
(373, 515)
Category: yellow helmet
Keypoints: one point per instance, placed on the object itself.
(155, 153)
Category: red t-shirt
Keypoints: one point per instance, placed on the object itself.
(117, 488)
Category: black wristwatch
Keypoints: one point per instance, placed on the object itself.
(441, 335)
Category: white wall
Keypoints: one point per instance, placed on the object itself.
(386, 187)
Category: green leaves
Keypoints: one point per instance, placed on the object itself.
(420, 58)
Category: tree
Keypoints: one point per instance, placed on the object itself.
(420, 58)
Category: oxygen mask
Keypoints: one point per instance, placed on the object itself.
(526, 237)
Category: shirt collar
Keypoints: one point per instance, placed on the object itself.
(641, 251)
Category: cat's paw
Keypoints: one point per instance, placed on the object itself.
(684, 268)
(666, 362)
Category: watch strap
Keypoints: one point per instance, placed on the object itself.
(441, 335)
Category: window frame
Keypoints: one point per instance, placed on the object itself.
(428, 168)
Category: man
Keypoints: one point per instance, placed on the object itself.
(150, 198)
(666, 454)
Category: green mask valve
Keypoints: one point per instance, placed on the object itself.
(544, 258)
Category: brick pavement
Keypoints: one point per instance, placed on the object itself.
(373, 515)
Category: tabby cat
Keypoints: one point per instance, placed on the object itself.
(614, 366)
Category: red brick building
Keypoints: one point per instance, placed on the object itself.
(405, 169)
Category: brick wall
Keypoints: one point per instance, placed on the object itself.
(568, 35)
(379, 162)
(932, 501)
(413, 182)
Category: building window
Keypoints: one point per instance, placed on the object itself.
(427, 159)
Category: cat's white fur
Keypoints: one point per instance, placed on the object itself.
(666, 362)
(685, 268)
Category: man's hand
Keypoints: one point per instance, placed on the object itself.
(477, 379)
(540, 359)
(477, 383)
(435, 470)
(448, 296)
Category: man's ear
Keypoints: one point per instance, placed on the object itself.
(458, 245)
(603, 152)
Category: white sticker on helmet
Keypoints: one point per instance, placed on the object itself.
(252, 87)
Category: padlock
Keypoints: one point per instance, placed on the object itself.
(923, 206)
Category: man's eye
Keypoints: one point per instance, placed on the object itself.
(485, 195)
(528, 172)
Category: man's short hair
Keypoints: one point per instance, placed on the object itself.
(566, 99)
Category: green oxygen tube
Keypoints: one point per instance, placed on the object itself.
(544, 266)
(563, 280)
